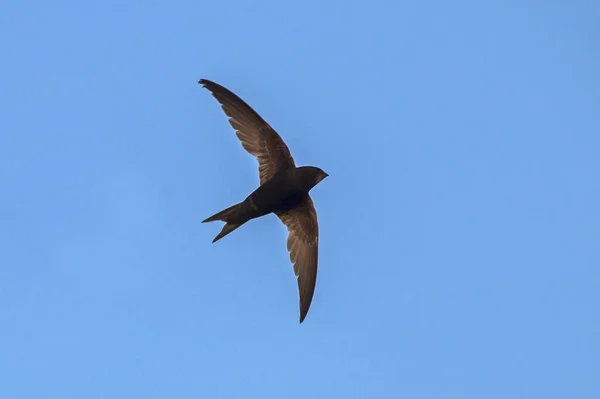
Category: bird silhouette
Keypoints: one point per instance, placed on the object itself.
(284, 190)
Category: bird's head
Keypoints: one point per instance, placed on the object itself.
(312, 175)
(321, 175)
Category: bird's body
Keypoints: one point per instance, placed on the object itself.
(284, 190)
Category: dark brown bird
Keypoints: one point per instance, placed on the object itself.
(283, 190)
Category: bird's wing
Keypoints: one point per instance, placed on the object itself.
(257, 137)
(303, 244)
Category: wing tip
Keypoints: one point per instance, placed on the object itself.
(304, 308)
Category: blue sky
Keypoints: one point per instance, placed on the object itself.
(460, 227)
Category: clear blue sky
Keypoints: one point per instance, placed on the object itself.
(460, 224)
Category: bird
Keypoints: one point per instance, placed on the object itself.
(283, 190)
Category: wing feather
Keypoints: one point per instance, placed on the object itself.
(303, 245)
(256, 136)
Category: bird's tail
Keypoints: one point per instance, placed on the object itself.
(224, 216)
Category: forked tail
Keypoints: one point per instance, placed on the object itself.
(224, 216)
